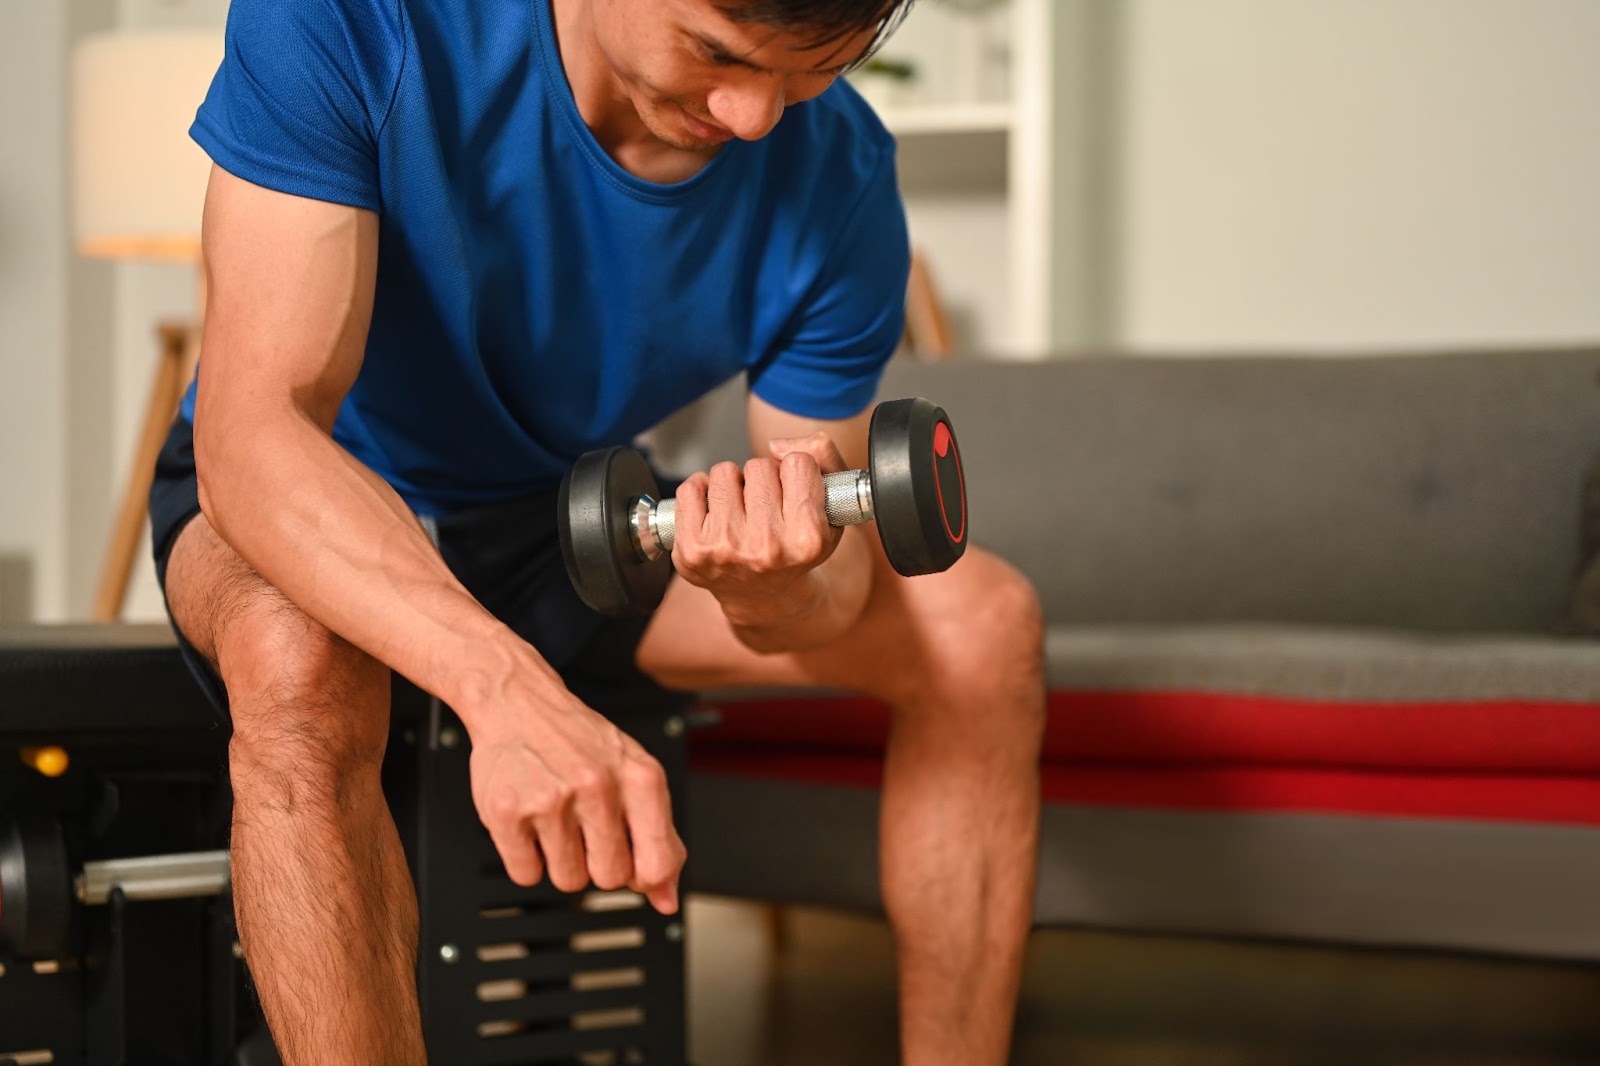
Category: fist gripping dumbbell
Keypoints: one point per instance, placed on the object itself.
(616, 536)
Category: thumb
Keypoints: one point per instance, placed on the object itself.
(817, 445)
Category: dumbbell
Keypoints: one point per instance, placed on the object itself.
(617, 535)
(35, 887)
(39, 891)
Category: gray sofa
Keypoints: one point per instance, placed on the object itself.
(1394, 534)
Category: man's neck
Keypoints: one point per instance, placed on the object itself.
(606, 109)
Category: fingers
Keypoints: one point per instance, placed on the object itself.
(562, 843)
(658, 852)
(577, 827)
(605, 838)
(606, 822)
(502, 816)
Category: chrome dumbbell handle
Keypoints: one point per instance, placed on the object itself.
(200, 873)
(655, 525)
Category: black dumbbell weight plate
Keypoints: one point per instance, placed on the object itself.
(919, 491)
(596, 541)
(35, 888)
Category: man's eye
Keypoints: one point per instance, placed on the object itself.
(722, 59)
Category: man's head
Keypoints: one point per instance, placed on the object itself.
(701, 72)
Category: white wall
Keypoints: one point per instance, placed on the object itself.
(33, 311)
(76, 344)
(1353, 173)
(144, 295)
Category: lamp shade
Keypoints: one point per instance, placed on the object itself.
(138, 180)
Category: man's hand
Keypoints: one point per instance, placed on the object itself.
(563, 791)
(752, 537)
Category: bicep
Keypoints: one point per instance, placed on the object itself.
(767, 423)
(289, 300)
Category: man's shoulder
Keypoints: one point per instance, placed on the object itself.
(832, 148)
(354, 18)
(843, 111)
(366, 35)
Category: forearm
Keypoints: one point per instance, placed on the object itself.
(825, 604)
(340, 543)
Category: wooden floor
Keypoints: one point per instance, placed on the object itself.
(1108, 1000)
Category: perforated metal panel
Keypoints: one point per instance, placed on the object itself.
(512, 975)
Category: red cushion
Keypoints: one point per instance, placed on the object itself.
(1544, 799)
(1187, 728)
(1505, 759)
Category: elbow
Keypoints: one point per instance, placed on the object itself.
(215, 472)
(206, 484)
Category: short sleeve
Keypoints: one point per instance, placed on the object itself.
(302, 94)
(828, 363)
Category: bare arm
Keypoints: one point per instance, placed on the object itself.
(290, 300)
(291, 295)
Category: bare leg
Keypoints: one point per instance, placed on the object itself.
(959, 826)
(326, 909)
(960, 658)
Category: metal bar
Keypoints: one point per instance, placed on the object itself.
(183, 876)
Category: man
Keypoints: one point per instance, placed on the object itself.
(450, 246)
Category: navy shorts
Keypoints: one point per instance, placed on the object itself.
(508, 556)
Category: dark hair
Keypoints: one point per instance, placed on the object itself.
(823, 22)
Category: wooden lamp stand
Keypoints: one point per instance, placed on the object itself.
(180, 350)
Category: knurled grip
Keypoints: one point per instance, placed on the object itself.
(848, 503)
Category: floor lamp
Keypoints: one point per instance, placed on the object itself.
(138, 187)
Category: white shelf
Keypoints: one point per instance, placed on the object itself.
(1001, 194)
(939, 119)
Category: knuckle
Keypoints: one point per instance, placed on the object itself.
(587, 782)
(688, 554)
(569, 880)
(800, 462)
(607, 880)
(548, 800)
(768, 556)
(645, 773)
(663, 867)
(502, 807)
(809, 546)
(523, 873)
(760, 465)
(693, 489)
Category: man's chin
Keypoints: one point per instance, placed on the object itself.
(671, 134)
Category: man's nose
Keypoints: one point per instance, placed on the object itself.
(749, 107)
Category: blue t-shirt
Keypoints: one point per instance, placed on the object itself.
(534, 300)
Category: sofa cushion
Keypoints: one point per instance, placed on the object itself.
(1260, 696)
(1168, 729)
(1322, 662)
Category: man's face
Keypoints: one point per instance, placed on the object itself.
(698, 78)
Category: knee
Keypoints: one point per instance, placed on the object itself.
(306, 705)
(1000, 636)
(980, 648)
(1001, 659)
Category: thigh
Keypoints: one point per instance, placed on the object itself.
(288, 684)
(914, 632)
(207, 584)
